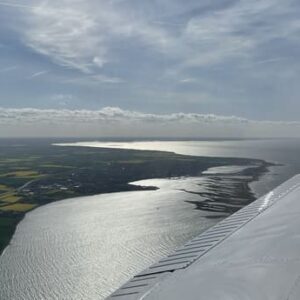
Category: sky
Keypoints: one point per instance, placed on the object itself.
(193, 68)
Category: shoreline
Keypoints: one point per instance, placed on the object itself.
(138, 188)
(260, 168)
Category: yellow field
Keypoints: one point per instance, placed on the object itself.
(17, 160)
(18, 207)
(55, 166)
(4, 187)
(133, 161)
(9, 197)
(22, 174)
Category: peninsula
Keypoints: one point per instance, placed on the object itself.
(34, 173)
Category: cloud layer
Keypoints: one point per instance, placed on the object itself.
(113, 121)
(225, 57)
(83, 34)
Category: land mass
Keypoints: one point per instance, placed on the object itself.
(36, 173)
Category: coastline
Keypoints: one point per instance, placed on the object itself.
(225, 192)
(125, 231)
(258, 168)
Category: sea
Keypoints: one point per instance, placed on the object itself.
(86, 247)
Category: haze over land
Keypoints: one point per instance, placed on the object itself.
(159, 68)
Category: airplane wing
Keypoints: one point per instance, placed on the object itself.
(253, 254)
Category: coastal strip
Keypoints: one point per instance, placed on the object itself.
(34, 174)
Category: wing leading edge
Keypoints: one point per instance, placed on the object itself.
(253, 254)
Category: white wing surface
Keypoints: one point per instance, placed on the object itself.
(253, 254)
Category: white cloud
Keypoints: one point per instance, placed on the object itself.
(188, 80)
(94, 80)
(15, 5)
(38, 74)
(113, 121)
(173, 49)
(98, 61)
(106, 79)
(79, 34)
(84, 34)
(239, 31)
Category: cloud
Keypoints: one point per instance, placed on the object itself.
(114, 121)
(94, 80)
(188, 80)
(83, 35)
(239, 32)
(149, 50)
(38, 74)
(91, 35)
(106, 79)
(15, 5)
